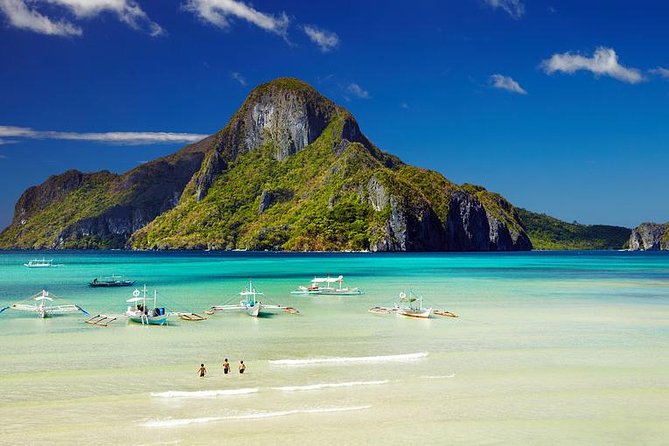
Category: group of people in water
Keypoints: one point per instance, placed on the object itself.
(226, 368)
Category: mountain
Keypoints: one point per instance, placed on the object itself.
(290, 171)
(547, 232)
(650, 237)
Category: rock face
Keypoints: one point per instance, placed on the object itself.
(650, 237)
(291, 170)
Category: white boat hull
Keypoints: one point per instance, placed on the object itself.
(254, 311)
(420, 314)
(149, 320)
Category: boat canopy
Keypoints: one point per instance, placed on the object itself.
(135, 299)
(327, 279)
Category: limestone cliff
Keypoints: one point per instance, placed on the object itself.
(650, 237)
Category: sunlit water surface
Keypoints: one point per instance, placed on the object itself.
(550, 348)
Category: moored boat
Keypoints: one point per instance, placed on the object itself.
(40, 263)
(251, 305)
(44, 304)
(411, 305)
(145, 314)
(110, 282)
(332, 286)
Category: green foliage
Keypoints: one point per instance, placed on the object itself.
(319, 204)
(547, 232)
(42, 229)
(317, 199)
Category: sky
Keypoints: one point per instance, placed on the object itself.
(560, 106)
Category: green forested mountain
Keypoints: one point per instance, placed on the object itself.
(547, 232)
(290, 171)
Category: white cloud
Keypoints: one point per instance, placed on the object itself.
(122, 138)
(127, 11)
(19, 15)
(239, 78)
(356, 90)
(659, 71)
(22, 14)
(604, 62)
(326, 40)
(219, 13)
(514, 8)
(506, 83)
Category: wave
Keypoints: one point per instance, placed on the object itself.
(330, 385)
(452, 375)
(248, 416)
(350, 360)
(204, 393)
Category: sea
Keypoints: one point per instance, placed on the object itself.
(550, 348)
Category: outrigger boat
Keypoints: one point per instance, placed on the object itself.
(139, 311)
(43, 303)
(411, 305)
(111, 281)
(251, 305)
(326, 285)
(40, 263)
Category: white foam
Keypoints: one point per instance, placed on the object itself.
(349, 360)
(248, 416)
(204, 393)
(452, 375)
(330, 385)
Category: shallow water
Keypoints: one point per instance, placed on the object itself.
(550, 348)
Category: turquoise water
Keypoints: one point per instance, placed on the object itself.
(550, 348)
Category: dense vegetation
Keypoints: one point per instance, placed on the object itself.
(251, 186)
(320, 202)
(550, 233)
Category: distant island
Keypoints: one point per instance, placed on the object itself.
(291, 171)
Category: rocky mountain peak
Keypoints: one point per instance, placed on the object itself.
(287, 113)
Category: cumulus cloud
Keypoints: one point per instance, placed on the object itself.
(220, 12)
(515, 8)
(23, 14)
(239, 78)
(506, 83)
(326, 40)
(659, 71)
(356, 90)
(604, 62)
(121, 138)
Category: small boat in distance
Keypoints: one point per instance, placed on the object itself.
(41, 263)
(332, 286)
(141, 313)
(43, 303)
(111, 281)
(251, 305)
(411, 305)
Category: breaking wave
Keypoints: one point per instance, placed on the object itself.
(350, 360)
(204, 393)
(330, 385)
(248, 416)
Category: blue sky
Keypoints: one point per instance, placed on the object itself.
(561, 106)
